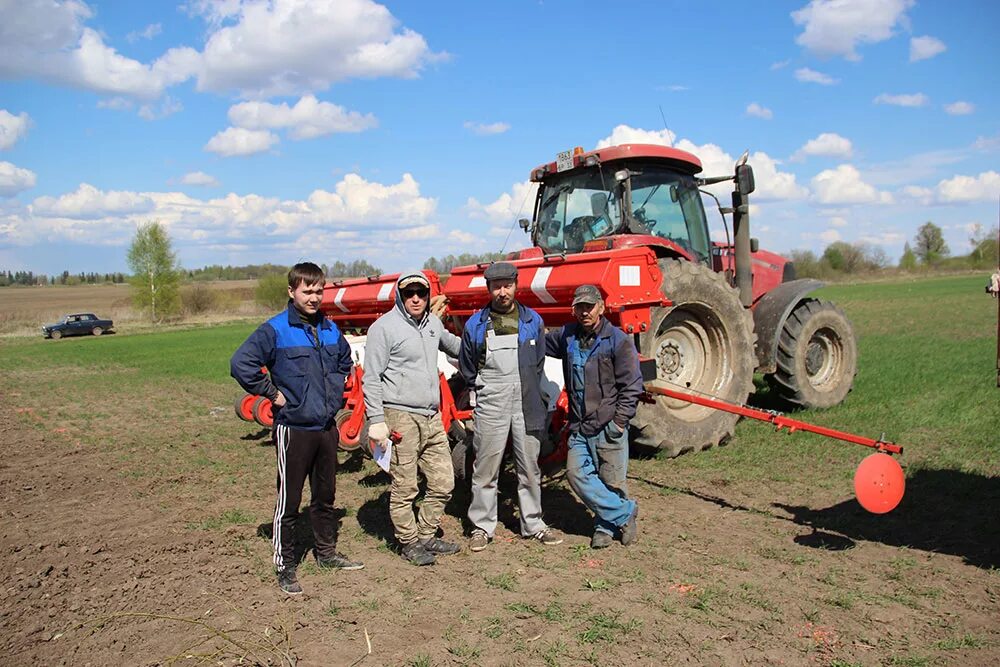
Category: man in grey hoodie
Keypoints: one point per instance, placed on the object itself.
(402, 393)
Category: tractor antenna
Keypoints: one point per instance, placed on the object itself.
(514, 221)
(662, 117)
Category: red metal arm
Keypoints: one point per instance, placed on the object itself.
(779, 420)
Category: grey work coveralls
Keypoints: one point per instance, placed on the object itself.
(499, 412)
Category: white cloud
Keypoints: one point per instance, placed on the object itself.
(781, 64)
(14, 179)
(259, 49)
(827, 144)
(960, 108)
(837, 221)
(419, 233)
(985, 187)
(518, 203)
(844, 185)
(116, 104)
(484, 129)
(922, 196)
(771, 183)
(89, 203)
(149, 32)
(922, 48)
(837, 27)
(829, 235)
(238, 141)
(288, 47)
(464, 238)
(913, 100)
(200, 179)
(308, 119)
(756, 110)
(357, 216)
(883, 238)
(12, 128)
(806, 75)
(168, 106)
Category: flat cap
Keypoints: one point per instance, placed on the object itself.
(500, 271)
(587, 294)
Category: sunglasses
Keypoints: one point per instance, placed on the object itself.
(422, 292)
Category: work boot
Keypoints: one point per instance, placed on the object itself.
(631, 528)
(548, 537)
(288, 582)
(601, 540)
(438, 547)
(416, 554)
(339, 561)
(479, 540)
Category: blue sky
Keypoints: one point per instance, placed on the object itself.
(342, 129)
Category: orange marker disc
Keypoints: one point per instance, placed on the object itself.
(879, 483)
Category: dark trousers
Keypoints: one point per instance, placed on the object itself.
(301, 454)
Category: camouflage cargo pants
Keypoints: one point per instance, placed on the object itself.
(424, 449)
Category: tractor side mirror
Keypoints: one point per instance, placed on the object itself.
(744, 179)
(524, 223)
(754, 244)
(674, 197)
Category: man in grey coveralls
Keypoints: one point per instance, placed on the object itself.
(502, 360)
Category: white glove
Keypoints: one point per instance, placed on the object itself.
(379, 432)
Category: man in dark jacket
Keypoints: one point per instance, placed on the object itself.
(502, 361)
(307, 360)
(601, 371)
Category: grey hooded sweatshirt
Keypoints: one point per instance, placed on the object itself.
(401, 370)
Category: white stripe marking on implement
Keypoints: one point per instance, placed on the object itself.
(385, 291)
(279, 506)
(340, 297)
(628, 276)
(538, 284)
(477, 281)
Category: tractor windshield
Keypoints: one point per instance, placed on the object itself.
(580, 205)
(577, 207)
(667, 204)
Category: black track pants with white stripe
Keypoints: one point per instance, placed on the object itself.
(302, 454)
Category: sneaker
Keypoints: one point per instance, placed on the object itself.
(416, 554)
(287, 581)
(548, 537)
(601, 540)
(438, 547)
(479, 540)
(631, 528)
(339, 561)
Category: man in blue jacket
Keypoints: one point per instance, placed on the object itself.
(307, 360)
(502, 361)
(601, 371)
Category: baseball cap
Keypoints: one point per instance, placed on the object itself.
(416, 279)
(500, 271)
(587, 294)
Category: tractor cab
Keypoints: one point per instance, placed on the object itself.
(630, 195)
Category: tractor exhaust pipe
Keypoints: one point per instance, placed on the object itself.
(741, 230)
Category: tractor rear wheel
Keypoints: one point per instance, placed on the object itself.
(702, 344)
(817, 356)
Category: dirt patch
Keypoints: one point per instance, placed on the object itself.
(104, 564)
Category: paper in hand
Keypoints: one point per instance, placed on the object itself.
(382, 453)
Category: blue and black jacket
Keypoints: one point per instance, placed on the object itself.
(612, 381)
(308, 369)
(530, 360)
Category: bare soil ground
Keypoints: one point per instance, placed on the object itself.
(112, 556)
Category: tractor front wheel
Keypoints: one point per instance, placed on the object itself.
(703, 344)
(817, 356)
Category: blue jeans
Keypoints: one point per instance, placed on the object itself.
(595, 467)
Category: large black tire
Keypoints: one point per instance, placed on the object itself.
(97, 331)
(817, 356)
(56, 335)
(703, 344)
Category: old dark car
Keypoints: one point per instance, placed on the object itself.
(79, 324)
